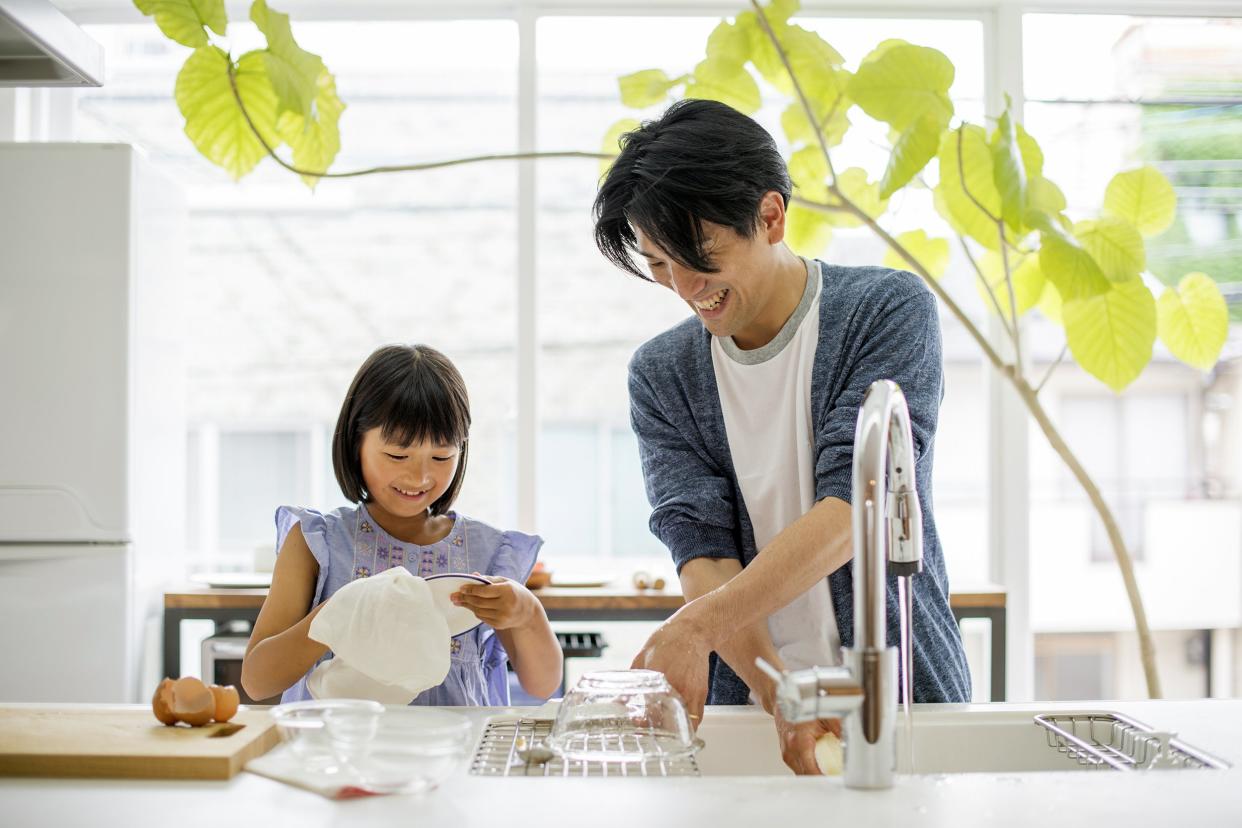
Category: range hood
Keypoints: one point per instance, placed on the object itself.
(39, 46)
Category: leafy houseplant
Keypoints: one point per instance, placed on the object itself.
(1006, 215)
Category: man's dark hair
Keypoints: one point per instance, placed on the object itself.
(699, 161)
(414, 394)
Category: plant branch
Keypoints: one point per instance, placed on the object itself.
(1052, 368)
(1124, 561)
(429, 165)
(898, 248)
(811, 117)
(819, 205)
(984, 281)
(1015, 326)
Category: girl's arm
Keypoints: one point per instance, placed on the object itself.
(520, 621)
(279, 652)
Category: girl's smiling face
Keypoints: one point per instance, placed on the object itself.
(406, 480)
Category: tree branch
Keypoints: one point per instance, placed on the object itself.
(983, 280)
(429, 165)
(1051, 368)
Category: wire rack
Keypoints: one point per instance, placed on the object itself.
(1110, 741)
(504, 750)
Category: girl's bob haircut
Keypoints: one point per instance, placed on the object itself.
(413, 393)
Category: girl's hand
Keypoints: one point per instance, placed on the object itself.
(504, 604)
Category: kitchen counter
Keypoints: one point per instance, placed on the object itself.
(1198, 798)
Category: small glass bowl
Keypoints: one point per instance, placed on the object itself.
(401, 749)
(302, 725)
(622, 716)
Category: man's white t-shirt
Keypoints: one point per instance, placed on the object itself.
(765, 395)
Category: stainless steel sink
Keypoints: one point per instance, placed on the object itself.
(742, 742)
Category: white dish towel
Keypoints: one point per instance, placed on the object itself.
(389, 640)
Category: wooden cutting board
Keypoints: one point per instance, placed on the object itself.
(126, 742)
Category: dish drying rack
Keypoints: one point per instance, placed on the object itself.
(1111, 741)
(505, 750)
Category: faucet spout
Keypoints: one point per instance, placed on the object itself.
(887, 524)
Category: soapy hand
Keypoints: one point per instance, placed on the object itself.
(798, 743)
(503, 604)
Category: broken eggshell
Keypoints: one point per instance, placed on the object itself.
(188, 700)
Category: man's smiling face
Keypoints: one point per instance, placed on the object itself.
(731, 301)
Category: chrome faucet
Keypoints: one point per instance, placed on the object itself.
(888, 536)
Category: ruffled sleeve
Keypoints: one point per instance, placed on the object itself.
(515, 555)
(314, 530)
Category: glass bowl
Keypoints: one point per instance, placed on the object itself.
(303, 725)
(401, 749)
(622, 716)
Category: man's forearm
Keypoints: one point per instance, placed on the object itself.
(808, 550)
(700, 577)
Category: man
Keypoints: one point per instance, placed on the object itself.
(745, 416)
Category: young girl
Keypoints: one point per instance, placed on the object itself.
(399, 452)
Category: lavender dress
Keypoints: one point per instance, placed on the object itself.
(348, 544)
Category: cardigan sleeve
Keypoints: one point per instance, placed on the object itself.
(692, 503)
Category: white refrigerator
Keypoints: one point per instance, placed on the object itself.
(92, 418)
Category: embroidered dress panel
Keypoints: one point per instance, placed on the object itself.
(348, 543)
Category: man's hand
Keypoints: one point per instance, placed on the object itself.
(679, 651)
(798, 742)
(504, 604)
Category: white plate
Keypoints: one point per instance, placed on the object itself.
(234, 580)
(460, 620)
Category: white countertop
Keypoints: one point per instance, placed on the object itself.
(1193, 799)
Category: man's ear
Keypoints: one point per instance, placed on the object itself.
(772, 217)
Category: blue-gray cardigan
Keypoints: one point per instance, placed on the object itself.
(874, 323)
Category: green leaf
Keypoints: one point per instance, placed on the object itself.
(612, 141)
(808, 170)
(865, 194)
(315, 141)
(729, 41)
(213, 121)
(807, 231)
(294, 72)
(1143, 197)
(812, 59)
(1043, 195)
(646, 88)
(1111, 335)
(832, 118)
(914, 148)
(904, 84)
(1028, 282)
(1193, 320)
(183, 20)
(953, 200)
(1009, 171)
(931, 253)
(1050, 303)
(1032, 155)
(718, 79)
(1115, 245)
(1066, 264)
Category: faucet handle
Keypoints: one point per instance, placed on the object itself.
(814, 693)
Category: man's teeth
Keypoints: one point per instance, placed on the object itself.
(712, 301)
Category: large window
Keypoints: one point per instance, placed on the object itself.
(591, 316)
(291, 289)
(1166, 92)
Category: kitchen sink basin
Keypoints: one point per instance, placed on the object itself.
(740, 742)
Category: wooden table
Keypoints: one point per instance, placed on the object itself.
(612, 603)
